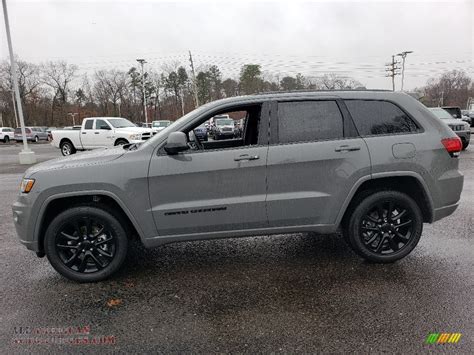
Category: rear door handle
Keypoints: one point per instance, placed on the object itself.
(96, 132)
(246, 157)
(346, 148)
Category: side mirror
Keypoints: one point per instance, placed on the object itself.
(176, 142)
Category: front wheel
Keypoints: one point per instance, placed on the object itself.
(86, 244)
(36, 139)
(465, 144)
(121, 142)
(385, 226)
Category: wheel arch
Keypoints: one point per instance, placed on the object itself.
(119, 140)
(102, 199)
(407, 182)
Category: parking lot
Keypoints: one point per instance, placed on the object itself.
(284, 293)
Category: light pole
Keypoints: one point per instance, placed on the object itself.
(142, 63)
(14, 108)
(26, 156)
(73, 115)
(403, 55)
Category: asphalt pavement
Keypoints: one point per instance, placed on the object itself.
(285, 293)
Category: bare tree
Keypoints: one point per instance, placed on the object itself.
(58, 76)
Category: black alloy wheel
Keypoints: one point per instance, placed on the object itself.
(385, 227)
(86, 244)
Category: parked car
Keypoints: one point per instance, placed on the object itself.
(158, 126)
(6, 134)
(33, 134)
(99, 132)
(459, 127)
(470, 114)
(375, 165)
(457, 113)
(223, 128)
(201, 133)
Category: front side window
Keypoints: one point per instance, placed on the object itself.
(379, 117)
(121, 123)
(304, 121)
(101, 124)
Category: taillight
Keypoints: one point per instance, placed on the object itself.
(453, 145)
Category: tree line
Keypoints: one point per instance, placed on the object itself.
(50, 91)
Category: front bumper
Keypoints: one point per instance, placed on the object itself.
(464, 135)
(22, 220)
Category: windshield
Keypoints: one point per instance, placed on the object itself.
(224, 122)
(121, 123)
(161, 123)
(441, 113)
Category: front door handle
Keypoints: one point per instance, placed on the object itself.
(246, 157)
(346, 148)
(96, 132)
(84, 132)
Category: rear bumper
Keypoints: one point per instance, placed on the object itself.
(444, 211)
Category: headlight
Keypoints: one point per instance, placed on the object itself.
(135, 136)
(26, 185)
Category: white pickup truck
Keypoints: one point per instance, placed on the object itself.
(99, 132)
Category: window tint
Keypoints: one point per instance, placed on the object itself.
(88, 124)
(101, 124)
(379, 117)
(308, 121)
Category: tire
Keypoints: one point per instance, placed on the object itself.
(120, 142)
(67, 148)
(464, 144)
(6, 139)
(375, 236)
(36, 139)
(104, 248)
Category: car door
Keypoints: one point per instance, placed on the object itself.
(102, 133)
(214, 190)
(87, 134)
(315, 157)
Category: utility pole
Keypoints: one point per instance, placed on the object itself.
(142, 63)
(26, 156)
(73, 115)
(403, 55)
(196, 99)
(393, 70)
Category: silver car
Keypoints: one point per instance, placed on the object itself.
(375, 165)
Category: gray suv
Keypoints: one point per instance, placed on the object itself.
(375, 165)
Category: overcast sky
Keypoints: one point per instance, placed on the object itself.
(354, 38)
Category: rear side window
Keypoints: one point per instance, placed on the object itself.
(88, 124)
(379, 117)
(303, 121)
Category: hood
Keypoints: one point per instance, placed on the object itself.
(132, 130)
(94, 157)
(453, 121)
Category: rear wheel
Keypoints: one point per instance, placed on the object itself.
(6, 139)
(385, 226)
(36, 139)
(67, 148)
(86, 244)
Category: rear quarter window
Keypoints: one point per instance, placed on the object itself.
(373, 117)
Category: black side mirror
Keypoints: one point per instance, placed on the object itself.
(176, 142)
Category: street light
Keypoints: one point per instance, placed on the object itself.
(26, 156)
(403, 55)
(142, 63)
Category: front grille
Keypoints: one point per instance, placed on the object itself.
(145, 136)
(456, 127)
